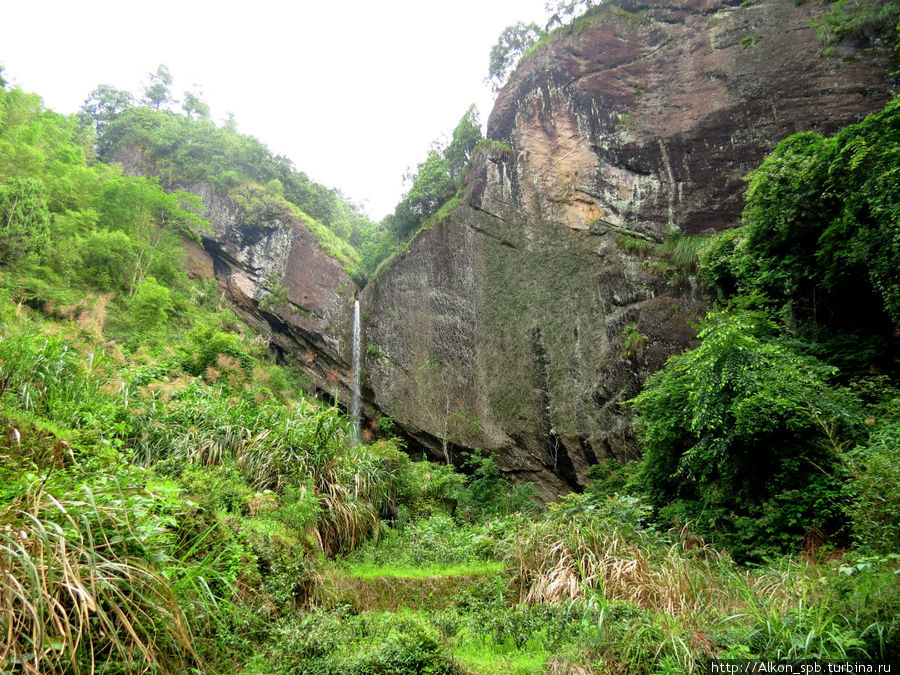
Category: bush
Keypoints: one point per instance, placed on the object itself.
(489, 493)
(874, 507)
(744, 427)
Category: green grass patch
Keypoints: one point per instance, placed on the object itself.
(371, 571)
(485, 655)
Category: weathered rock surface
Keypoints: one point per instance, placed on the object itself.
(524, 320)
(277, 277)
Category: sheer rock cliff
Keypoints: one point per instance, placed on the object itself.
(523, 321)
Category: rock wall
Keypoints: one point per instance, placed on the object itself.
(277, 277)
(524, 320)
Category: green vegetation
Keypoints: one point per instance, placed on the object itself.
(187, 149)
(874, 22)
(520, 41)
(763, 437)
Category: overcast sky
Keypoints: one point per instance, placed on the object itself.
(352, 91)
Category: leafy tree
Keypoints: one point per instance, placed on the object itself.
(110, 257)
(194, 106)
(431, 187)
(563, 11)
(149, 308)
(103, 105)
(465, 137)
(24, 220)
(156, 221)
(820, 240)
(157, 93)
(512, 44)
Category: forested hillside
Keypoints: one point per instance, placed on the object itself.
(175, 498)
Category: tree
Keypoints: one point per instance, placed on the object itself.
(465, 137)
(149, 307)
(563, 11)
(820, 240)
(742, 435)
(194, 107)
(157, 93)
(511, 46)
(103, 106)
(155, 220)
(432, 186)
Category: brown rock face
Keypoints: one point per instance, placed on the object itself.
(523, 321)
(279, 279)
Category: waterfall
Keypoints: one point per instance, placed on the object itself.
(355, 399)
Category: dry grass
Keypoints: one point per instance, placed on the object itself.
(71, 600)
(586, 557)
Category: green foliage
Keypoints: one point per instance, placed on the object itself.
(103, 106)
(205, 343)
(149, 307)
(489, 493)
(682, 250)
(433, 186)
(511, 45)
(634, 342)
(634, 245)
(81, 580)
(435, 541)
(109, 257)
(157, 93)
(874, 508)
(820, 236)
(466, 137)
(742, 431)
(24, 221)
(493, 147)
(873, 22)
(333, 643)
(189, 149)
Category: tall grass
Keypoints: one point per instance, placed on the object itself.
(682, 251)
(73, 598)
(669, 598)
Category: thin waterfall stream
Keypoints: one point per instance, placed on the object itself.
(355, 397)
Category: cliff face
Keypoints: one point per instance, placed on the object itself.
(275, 274)
(522, 321)
(280, 280)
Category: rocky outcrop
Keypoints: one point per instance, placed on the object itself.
(277, 276)
(522, 322)
(271, 268)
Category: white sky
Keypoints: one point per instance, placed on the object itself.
(352, 91)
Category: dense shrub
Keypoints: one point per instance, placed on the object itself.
(820, 242)
(741, 432)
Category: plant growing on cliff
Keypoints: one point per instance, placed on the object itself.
(432, 185)
(511, 45)
(819, 242)
(634, 342)
(874, 21)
